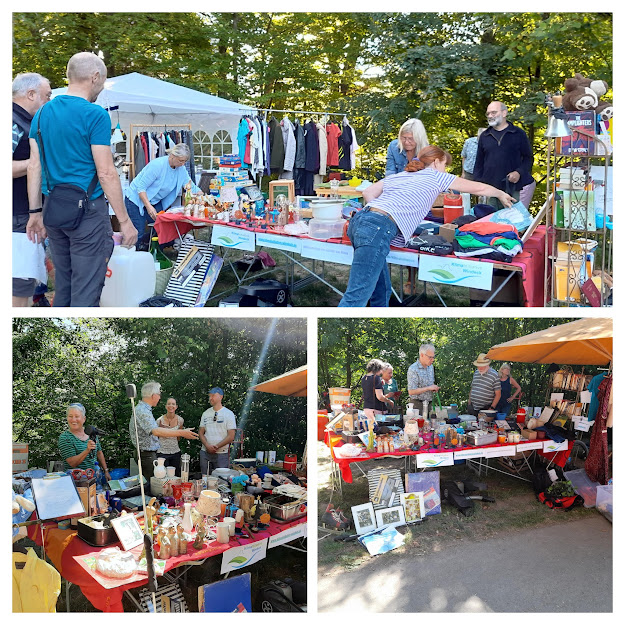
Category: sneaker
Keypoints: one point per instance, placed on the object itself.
(332, 519)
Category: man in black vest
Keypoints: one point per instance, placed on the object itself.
(30, 92)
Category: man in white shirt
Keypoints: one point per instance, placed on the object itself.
(217, 429)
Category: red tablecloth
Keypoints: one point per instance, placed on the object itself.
(62, 545)
(531, 261)
(559, 458)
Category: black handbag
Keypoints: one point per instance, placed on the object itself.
(65, 204)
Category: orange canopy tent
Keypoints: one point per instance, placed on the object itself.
(292, 384)
(582, 342)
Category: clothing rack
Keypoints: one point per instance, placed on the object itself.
(270, 110)
(136, 128)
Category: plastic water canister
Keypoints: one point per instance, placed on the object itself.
(130, 278)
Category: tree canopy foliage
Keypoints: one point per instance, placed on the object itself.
(346, 345)
(60, 361)
(379, 68)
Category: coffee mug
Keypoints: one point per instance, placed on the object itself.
(223, 532)
(116, 503)
(171, 471)
(231, 524)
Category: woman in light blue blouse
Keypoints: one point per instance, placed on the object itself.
(411, 139)
(156, 187)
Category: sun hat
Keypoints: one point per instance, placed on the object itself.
(481, 361)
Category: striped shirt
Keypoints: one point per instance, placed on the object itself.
(420, 376)
(483, 389)
(70, 445)
(408, 197)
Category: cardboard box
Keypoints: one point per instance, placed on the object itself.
(530, 435)
(448, 231)
(511, 294)
(87, 493)
(20, 457)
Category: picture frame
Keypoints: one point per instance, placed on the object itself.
(390, 517)
(364, 518)
(414, 508)
(128, 531)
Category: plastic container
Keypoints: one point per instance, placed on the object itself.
(130, 278)
(322, 421)
(339, 396)
(583, 486)
(604, 501)
(289, 464)
(326, 210)
(323, 229)
(452, 208)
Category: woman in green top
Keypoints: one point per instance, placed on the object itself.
(390, 384)
(75, 445)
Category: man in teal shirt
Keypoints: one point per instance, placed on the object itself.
(76, 137)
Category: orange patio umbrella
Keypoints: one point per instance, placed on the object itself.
(292, 384)
(582, 342)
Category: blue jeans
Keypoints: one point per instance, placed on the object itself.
(140, 221)
(369, 279)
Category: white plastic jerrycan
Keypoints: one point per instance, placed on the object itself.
(130, 278)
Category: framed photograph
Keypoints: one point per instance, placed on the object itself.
(390, 517)
(364, 518)
(414, 508)
(128, 531)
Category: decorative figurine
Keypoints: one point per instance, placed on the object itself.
(173, 541)
(198, 543)
(165, 552)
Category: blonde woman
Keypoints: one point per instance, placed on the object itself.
(507, 382)
(410, 140)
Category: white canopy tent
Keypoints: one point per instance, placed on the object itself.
(142, 100)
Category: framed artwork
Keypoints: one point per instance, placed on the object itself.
(414, 509)
(364, 518)
(390, 517)
(128, 531)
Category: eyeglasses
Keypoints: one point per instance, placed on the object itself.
(492, 113)
(430, 357)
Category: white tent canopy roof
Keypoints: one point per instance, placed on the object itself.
(136, 93)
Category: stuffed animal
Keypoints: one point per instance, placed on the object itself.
(604, 111)
(577, 97)
(600, 87)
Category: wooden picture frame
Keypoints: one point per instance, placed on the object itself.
(364, 518)
(414, 509)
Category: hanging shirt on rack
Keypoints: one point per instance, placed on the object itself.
(323, 149)
(139, 154)
(242, 134)
(288, 136)
(266, 148)
(277, 146)
(345, 142)
(333, 132)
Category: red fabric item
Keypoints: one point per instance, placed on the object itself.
(333, 133)
(110, 600)
(247, 159)
(146, 151)
(558, 458)
(487, 227)
(597, 467)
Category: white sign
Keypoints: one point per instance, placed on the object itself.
(468, 453)
(293, 533)
(239, 557)
(583, 425)
(551, 446)
(456, 272)
(556, 397)
(496, 452)
(431, 461)
(234, 238)
(279, 242)
(585, 397)
(407, 259)
(331, 252)
(529, 445)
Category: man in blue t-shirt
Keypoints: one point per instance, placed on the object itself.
(76, 138)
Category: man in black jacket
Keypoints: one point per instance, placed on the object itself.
(30, 92)
(504, 155)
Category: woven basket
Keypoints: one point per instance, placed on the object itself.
(162, 278)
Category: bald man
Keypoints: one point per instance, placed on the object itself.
(70, 145)
(504, 156)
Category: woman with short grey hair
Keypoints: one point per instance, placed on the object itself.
(156, 187)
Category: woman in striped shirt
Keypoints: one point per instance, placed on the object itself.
(395, 206)
(77, 449)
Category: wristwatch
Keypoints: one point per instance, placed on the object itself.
(35, 210)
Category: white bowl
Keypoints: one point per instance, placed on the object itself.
(327, 211)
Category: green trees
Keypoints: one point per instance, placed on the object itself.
(346, 345)
(59, 361)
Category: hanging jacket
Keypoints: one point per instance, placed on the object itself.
(300, 146)
(312, 147)
(333, 132)
(288, 137)
(323, 149)
(36, 586)
(345, 142)
(276, 143)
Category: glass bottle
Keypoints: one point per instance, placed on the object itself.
(184, 464)
(160, 260)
